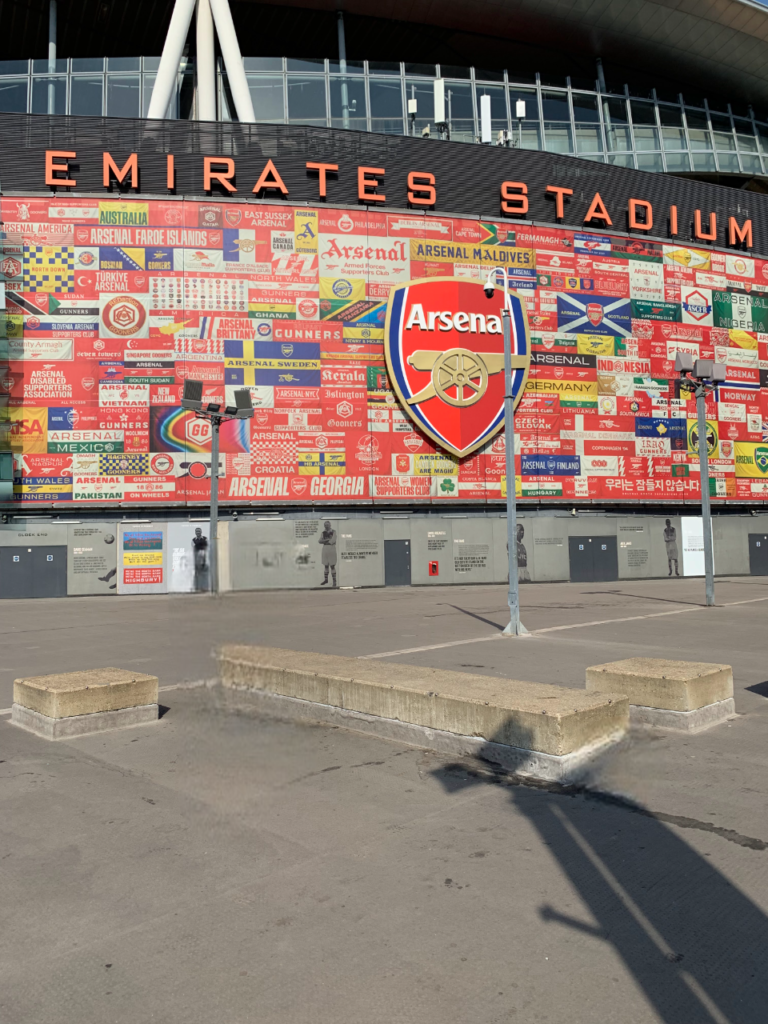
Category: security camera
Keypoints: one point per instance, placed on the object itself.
(489, 289)
(490, 284)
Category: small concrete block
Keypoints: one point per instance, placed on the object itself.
(683, 721)
(85, 693)
(81, 725)
(659, 683)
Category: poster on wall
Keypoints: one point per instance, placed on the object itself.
(292, 303)
(189, 556)
(142, 559)
(92, 559)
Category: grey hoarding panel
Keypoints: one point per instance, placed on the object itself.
(432, 543)
(276, 554)
(30, 535)
(634, 542)
(360, 553)
(92, 559)
(730, 535)
(142, 566)
(546, 542)
(473, 554)
(396, 529)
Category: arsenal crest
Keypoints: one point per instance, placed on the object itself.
(444, 347)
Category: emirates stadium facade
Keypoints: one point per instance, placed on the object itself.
(237, 203)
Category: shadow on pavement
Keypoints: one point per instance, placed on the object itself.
(694, 943)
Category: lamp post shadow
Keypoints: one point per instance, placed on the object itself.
(693, 942)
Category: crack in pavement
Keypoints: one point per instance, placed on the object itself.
(496, 775)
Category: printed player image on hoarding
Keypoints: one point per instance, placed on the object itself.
(103, 327)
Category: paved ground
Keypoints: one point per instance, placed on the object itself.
(226, 868)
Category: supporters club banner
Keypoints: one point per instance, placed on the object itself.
(373, 358)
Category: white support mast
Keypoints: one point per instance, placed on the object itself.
(165, 83)
(206, 65)
(173, 48)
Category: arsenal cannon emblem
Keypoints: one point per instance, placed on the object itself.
(445, 355)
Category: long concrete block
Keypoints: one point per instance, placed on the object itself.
(85, 693)
(683, 695)
(551, 721)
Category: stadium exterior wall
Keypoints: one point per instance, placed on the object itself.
(602, 421)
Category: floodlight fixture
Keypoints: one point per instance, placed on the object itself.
(520, 110)
(192, 396)
(719, 371)
(684, 362)
(703, 369)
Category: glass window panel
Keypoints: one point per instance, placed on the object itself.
(306, 101)
(458, 110)
(672, 116)
(649, 162)
(124, 64)
(643, 113)
(743, 125)
(699, 139)
(762, 135)
(88, 64)
(646, 138)
(150, 63)
(267, 98)
(528, 96)
(123, 96)
(673, 138)
(386, 106)
(14, 67)
(750, 163)
(307, 64)
(588, 138)
(554, 106)
(618, 137)
(421, 69)
(548, 79)
(517, 77)
(528, 135)
(40, 67)
(678, 162)
(263, 63)
(746, 143)
(451, 71)
(696, 119)
(585, 108)
(85, 96)
(558, 136)
(621, 159)
(704, 162)
(725, 143)
(484, 75)
(718, 105)
(354, 67)
(498, 105)
(720, 122)
(356, 114)
(41, 98)
(615, 111)
(186, 97)
(386, 67)
(424, 94)
(149, 83)
(728, 162)
(13, 96)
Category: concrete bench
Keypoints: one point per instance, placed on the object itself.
(544, 731)
(685, 695)
(75, 703)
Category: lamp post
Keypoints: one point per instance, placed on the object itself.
(515, 626)
(701, 377)
(213, 412)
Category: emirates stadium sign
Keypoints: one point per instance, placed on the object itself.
(444, 348)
